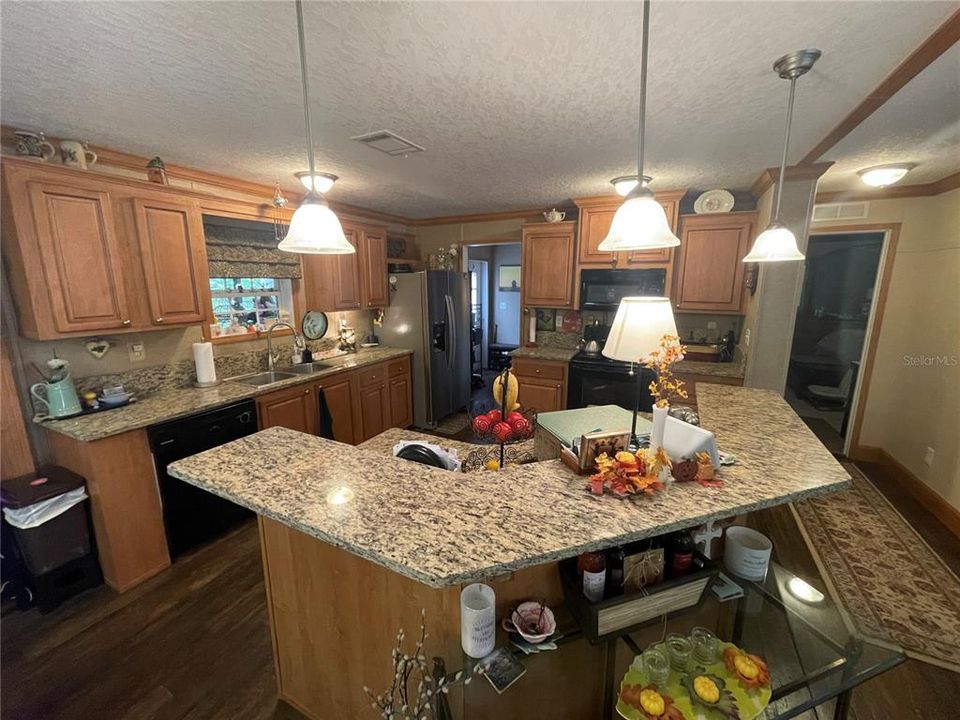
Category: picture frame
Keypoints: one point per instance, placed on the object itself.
(596, 443)
(546, 319)
(509, 278)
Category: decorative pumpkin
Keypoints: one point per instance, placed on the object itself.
(651, 703)
(710, 691)
(750, 670)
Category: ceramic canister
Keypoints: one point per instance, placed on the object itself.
(746, 553)
(478, 611)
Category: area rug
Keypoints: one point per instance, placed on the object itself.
(452, 424)
(891, 583)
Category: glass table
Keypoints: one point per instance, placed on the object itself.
(813, 654)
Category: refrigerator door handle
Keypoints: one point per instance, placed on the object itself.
(452, 330)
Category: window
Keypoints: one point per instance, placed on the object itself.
(250, 302)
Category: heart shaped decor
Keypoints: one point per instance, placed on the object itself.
(98, 348)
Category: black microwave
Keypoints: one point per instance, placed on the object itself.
(604, 289)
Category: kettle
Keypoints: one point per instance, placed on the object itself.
(592, 347)
(59, 396)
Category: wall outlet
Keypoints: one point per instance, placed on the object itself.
(928, 457)
(746, 337)
(137, 352)
(711, 325)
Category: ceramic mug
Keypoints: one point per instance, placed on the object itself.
(33, 145)
(60, 398)
(75, 154)
(554, 216)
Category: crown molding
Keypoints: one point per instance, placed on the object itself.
(768, 178)
(944, 184)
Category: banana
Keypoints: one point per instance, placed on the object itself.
(513, 389)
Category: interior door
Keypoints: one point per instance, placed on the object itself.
(82, 257)
(170, 237)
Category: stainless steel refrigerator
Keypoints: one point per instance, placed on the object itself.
(429, 313)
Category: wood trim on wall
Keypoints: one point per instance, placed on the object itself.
(478, 217)
(885, 273)
(933, 47)
(945, 184)
(767, 179)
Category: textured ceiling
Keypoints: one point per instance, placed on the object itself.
(920, 124)
(518, 104)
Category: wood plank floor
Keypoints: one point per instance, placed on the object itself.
(193, 643)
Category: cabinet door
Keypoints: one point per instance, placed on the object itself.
(170, 236)
(374, 410)
(332, 282)
(373, 260)
(347, 288)
(340, 392)
(401, 402)
(710, 272)
(661, 255)
(594, 226)
(81, 256)
(541, 395)
(548, 265)
(294, 408)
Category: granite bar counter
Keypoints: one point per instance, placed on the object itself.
(443, 529)
(546, 352)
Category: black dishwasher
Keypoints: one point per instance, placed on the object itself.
(193, 516)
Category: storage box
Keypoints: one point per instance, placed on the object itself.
(618, 615)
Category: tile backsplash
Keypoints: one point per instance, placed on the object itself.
(694, 326)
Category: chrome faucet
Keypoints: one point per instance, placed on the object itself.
(298, 342)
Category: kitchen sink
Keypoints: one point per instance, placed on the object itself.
(264, 378)
(305, 368)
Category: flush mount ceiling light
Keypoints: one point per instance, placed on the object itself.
(625, 183)
(777, 243)
(314, 228)
(321, 181)
(883, 175)
(640, 223)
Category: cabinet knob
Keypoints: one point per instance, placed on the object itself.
(538, 371)
(158, 320)
(307, 391)
(125, 323)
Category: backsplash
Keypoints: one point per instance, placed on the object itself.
(690, 326)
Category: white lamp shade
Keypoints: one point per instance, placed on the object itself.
(639, 224)
(315, 230)
(638, 327)
(775, 244)
(884, 175)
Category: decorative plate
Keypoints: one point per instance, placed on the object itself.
(314, 325)
(713, 201)
(743, 700)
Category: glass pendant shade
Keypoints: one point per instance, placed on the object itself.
(638, 327)
(319, 181)
(315, 230)
(639, 224)
(775, 244)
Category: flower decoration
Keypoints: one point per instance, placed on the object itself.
(652, 704)
(667, 385)
(627, 473)
(750, 670)
(710, 691)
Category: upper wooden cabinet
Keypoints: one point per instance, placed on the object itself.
(86, 253)
(548, 263)
(596, 215)
(710, 269)
(172, 252)
(349, 282)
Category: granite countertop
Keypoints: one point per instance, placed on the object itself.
(171, 404)
(717, 369)
(559, 354)
(444, 529)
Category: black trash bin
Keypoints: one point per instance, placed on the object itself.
(56, 554)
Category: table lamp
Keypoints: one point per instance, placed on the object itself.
(638, 327)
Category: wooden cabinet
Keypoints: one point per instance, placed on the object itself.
(710, 269)
(294, 408)
(548, 263)
(373, 269)
(374, 400)
(172, 252)
(543, 384)
(80, 256)
(349, 282)
(87, 253)
(401, 393)
(596, 215)
(341, 393)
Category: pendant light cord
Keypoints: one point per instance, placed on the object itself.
(306, 96)
(786, 145)
(644, 33)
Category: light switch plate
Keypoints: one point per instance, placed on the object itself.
(137, 351)
(928, 456)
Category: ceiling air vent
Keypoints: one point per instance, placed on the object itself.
(388, 142)
(840, 211)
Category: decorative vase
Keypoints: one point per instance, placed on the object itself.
(659, 425)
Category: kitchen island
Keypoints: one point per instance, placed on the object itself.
(355, 543)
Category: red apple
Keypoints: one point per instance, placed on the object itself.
(481, 425)
(502, 431)
(495, 416)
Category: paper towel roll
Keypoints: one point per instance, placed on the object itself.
(203, 359)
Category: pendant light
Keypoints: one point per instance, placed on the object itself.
(640, 223)
(314, 228)
(778, 243)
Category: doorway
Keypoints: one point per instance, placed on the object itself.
(478, 271)
(833, 322)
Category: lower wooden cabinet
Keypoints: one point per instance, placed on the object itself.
(362, 403)
(294, 408)
(543, 384)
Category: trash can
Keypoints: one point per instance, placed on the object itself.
(47, 517)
